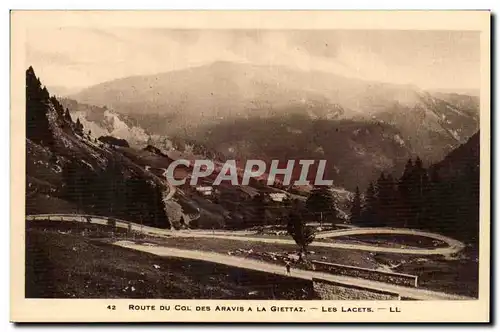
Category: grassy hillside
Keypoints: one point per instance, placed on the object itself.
(64, 162)
(76, 266)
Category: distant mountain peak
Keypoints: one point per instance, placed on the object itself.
(202, 101)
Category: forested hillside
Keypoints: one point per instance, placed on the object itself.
(443, 197)
(70, 171)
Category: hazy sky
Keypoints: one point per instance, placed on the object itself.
(73, 57)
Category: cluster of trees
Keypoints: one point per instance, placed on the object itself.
(78, 127)
(297, 228)
(246, 211)
(37, 100)
(320, 206)
(443, 198)
(110, 193)
(182, 144)
(421, 198)
(114, 141)
(262, 210)
(155, 150)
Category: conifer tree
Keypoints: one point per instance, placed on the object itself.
(78, 126)
(67, 116)
(385, 201)
(321, 204)
(434, 199)
(259, 204)
(404, 208)
(419, 186)
(368, 215)
(355, 214)
(297, 229)
(37, 123)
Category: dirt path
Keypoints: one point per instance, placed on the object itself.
(454, 246)
(415, 293)
(172, 188)
(452, 243)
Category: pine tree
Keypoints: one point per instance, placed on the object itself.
(405, 178)
(78, 126)
(385, 207)
(78, 179)
(321, 204)
(37, 124)
(112, 189)
(67, 116)
(259, 204)
(434, 199)
(158, 214)
(137, 195)
(381, 201)
(57, 106)
(405, 184)
(45, 93)
(368, 214)
(355, 214)
(392, 202)
(297, 229)
(418, 191)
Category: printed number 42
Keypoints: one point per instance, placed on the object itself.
(111, 307)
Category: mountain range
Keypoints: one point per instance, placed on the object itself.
(70, 171)
(71, 167)
(248, 111)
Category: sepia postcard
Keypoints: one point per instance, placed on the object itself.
(250, 166)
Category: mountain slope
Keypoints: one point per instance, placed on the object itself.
(355, 151)
(102, 121)
(224, 90)
(208, 103)
(68, 171)
(455, 191)
(71, 171)
(461, 161)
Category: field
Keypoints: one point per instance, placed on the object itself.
(435, 272)
(390, 240)
(61, 263)
(457, 276)
(381, 240)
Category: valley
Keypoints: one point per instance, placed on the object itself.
(236, 111)
(404, 165)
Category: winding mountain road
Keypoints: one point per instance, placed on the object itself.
(453, 247)
(172, 189)
(414, 293)
(402, 291)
